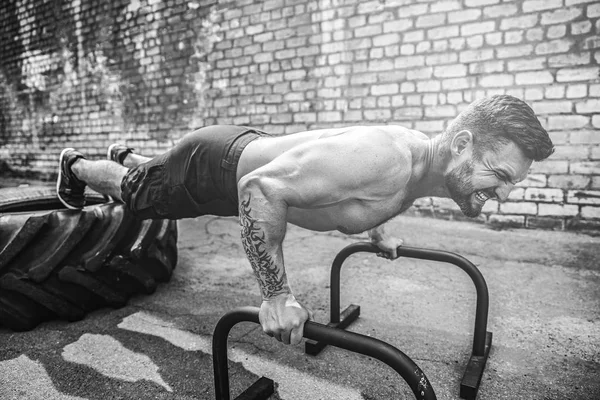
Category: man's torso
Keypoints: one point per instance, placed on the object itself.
(360, 210)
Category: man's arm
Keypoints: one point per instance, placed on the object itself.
(318, 174)
(263, 219)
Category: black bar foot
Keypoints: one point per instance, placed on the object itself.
(472, 377)
(348, 316)
(262, 389)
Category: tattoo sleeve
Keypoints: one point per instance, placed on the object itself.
(269, 273)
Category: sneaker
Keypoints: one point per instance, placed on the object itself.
(69, 188)
(117, 152)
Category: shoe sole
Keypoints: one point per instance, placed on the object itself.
(109, 151)
(60, 161)
(109, 157)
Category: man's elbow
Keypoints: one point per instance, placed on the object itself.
(249, 184)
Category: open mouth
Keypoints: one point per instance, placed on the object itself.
(481, 196)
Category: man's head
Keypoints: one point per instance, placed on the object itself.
(490, 147)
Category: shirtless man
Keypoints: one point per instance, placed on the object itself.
(350, 179)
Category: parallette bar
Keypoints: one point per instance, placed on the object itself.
(354, 342)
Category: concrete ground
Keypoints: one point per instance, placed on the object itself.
(544, 314)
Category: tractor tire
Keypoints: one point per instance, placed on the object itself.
(57, 263)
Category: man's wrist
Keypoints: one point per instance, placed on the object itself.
(286, 291)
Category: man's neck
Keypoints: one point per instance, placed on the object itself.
(431, 182)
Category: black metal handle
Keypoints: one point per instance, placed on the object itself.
(355, 342)
(481, 312)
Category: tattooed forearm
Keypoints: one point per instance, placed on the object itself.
(271, 277)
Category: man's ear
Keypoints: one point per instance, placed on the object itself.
(461, 142)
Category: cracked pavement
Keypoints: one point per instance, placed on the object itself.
(544, 314)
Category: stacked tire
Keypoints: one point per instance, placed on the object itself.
(61, 263)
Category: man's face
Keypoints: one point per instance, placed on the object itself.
(493, 175)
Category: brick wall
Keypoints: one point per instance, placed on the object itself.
(147, 71)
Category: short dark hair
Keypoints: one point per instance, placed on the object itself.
(498, 119)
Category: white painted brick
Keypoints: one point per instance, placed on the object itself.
(519, 208)
(552, 107)
(399, 25)
(563, 122)
(554, 92)
(585, 168)
(464, 15)
(408, 113)
(428, 20)
(554, 46)
(441, 58)
(412, 9)
(497, 80)
(592, 42)
(561, 15)
(577, 74)
(413, 36)
(377, 115)
(558, 210)
(420, 73)
(475, 42)
(501, 10)
(588, 106)
(534, 78)
(480, 3)
(490, 206)
(567, 60)
(428, 86)
(539, 5)
(534, 94)
(450, 71)
(407, 87)
(513, 37)
(569, 181)
(442, 32)
(545, 195)
(581, 27)
(585, 137)
(493, 39)
(409, 61)
(559, 137)
(550, 167)
(575, 2)
(590, 212)
(556, 31)
(441, 111)
(381, 90)
(486, 67)
(459, 83)
(423, 47)
(444, 5)
(386, 40)
(593, 10)
(534, 180)
(521, 22)
(514, 51)
(467, 56)
(596, 121)
(535, 34)
(516, 194)
(510, 220)
(429, 126)
(527, 64)
(476, 28)
(583, 197)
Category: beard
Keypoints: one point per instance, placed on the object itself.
(458, 183)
